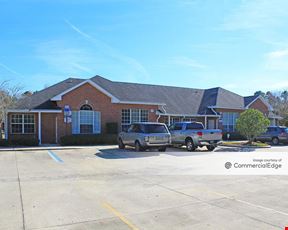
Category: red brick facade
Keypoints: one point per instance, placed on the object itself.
(53, 126)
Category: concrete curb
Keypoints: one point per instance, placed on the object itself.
(242, 147)
(44, 148)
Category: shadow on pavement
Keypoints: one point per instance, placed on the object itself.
(116, 153)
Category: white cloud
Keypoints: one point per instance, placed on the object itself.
(277, 60)
(188, 62)
(113, 53)
(10, 70)
(257, 14)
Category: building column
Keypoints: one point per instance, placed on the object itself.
(169, 121)
(39, 128)
(205, 125)
(6, 126)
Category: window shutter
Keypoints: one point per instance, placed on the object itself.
(97, 122)
(75, 122)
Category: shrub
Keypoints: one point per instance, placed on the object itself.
(112, 128)
(24, 141)
(89, 139)
(252, 123)
(4, 142)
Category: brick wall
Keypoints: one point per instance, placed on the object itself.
(258, 104)
(110, 112)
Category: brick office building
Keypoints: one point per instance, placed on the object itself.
(98, 101)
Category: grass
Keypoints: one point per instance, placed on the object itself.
(244, 144)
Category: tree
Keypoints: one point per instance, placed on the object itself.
(251, 124)
(8, 98)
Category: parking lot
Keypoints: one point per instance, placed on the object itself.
(105, 188)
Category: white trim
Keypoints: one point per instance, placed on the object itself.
(39, 128)
(56, 130)
(33, 111)
(185, 115)
(218, 107)
(263, 100)
(140, 103)
(59, 96)
(6, 126)
(113, 98)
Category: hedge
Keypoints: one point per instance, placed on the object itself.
(4, 142)
(91, 139)
(111, 128)
(21, 141)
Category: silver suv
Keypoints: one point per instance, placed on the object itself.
(145, 135)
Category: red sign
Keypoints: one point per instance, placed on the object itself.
(286, 228)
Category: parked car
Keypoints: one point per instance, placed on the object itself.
(145, 135)
(274, 134)
(193, 135)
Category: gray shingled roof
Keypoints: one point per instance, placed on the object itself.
(249, 99)
(178, 100)
(41, 99)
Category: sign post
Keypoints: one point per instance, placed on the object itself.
(67, 116)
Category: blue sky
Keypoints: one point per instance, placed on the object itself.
(240, 45)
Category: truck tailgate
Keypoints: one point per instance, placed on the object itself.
(212, 135)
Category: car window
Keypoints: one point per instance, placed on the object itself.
(130, 129)
(155, 128)
(194, 126)
(286, 130)
(137, 129)
(272, 129)
(178, 126)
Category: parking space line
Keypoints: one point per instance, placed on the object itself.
(120, 216)
(55, 157)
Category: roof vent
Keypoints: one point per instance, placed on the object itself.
(69, 81)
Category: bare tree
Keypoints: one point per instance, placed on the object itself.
(8, 98)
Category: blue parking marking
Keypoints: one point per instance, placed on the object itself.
(55, 157)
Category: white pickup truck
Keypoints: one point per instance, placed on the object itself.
(193, 135)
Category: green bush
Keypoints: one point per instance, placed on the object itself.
(91, 139)
(112, 128)
(4, 142)
(252, 123)
(24, 141)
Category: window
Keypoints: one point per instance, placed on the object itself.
(130, 116)
(155, 128)
(176, 126)
(86, 121)
(22, 123)
(194, 125)
(229, 121)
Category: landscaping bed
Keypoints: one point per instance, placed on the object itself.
(244, 144)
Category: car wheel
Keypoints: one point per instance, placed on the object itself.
(210, 148)
(120, 144)
(190, 145)
(162, 149)
(138, 147)
(275, 141)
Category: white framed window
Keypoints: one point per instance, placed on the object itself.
(22, 123)
(86, 121)
(229, 121)
(130, 116)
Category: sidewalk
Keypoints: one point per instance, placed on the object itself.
(43, 147)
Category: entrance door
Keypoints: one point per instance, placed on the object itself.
(48, 128)
(211, 124)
